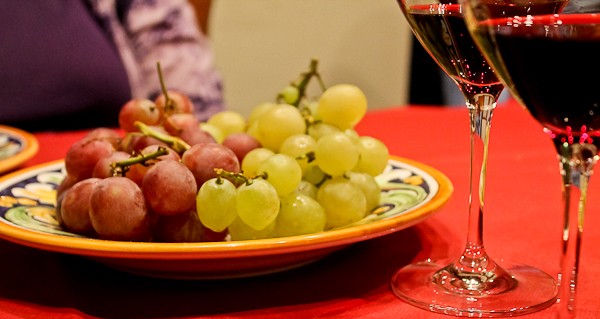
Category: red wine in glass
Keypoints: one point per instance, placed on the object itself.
(442, 31)
(549, 57)
(549, 62)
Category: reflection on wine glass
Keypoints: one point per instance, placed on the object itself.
(547, 61)
(473, 284)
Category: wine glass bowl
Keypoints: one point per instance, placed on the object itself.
(546, 53)
(440, 28)
(472, 284)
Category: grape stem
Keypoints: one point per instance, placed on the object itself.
(237, 178)
(177, 144)
(310, 157)
(304, 79)
(169, 107)
(121, 167)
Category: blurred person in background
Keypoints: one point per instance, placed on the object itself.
(72, 64)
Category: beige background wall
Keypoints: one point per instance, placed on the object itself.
(262, 45)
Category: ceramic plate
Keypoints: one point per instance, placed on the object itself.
(16, 147)
(411, 192)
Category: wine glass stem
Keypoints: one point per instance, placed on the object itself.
(481, 109)
(474, 267)
(576, 165)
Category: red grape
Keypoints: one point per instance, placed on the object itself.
(142, 110)
(169, 188)
(103, 167)
(135, 142)
(241, 144)
(137, 171)
(105, 133)
(65, 184)
(118, 210)
(196, 136)
(184, 227)
(75, 207)
(181, 103)
(187, 127)
(203, 158)
(174, 124)
(211, 235)
(83, 155)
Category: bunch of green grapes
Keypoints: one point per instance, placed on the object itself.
(310, 172)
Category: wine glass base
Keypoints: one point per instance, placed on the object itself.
(532, 291)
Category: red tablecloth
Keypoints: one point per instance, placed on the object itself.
(522, 223)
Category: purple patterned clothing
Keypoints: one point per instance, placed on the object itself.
(69, 64)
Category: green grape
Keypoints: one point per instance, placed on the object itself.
(374, 156)
(319, 129)
(278, 123)
(282, 171)
(214, 131)
(252, 129)
(336, 153)
(309, 109)
(343, 201)
(353, 134)
(258, 111)
(253, 159)
(312, 107)
(299, 215)
(238, 230)
(369, 186)
(342, 105)
(290, 94)
(308, 189)
(215, 203)
(257, 203)
(228, 122)
(298, 146)
(314, 175)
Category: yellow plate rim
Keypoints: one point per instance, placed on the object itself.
(30, 148)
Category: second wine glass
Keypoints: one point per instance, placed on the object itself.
(472, 284)
(559, 93)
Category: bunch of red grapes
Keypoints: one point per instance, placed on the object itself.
(142, 187)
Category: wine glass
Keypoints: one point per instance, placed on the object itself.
(548, 61)
(472, 284)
